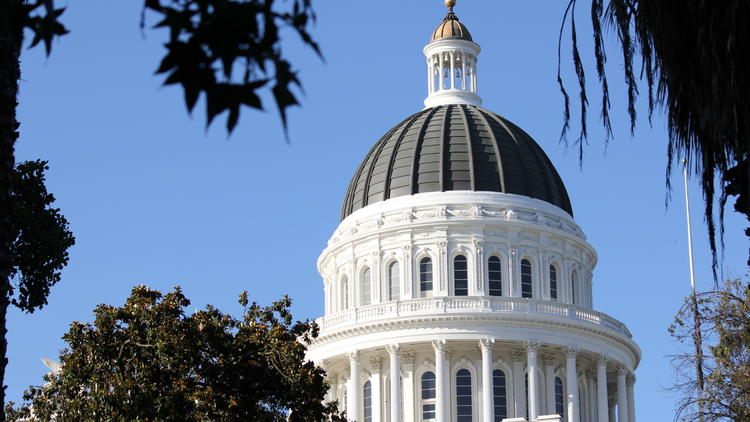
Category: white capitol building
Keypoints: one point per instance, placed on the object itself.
(458, 286)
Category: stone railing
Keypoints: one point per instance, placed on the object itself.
(458, 305)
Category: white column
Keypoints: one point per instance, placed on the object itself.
(409, 397)
(601, 388)
(474, 76)
(441, 67)
(612, 413)
(571, 376)
(395, 375)
(441, 406)
(453, 70)
(549, 379)
(463, 70)
(591, 385)
(631, 398)
(429, 77)
(353, 393)
(622, 395)
(532, 347)
(519, 386)
(377, 390)
(488, 405)
(332, 387)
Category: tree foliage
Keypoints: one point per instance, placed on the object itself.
(42, 238)
(227, 50)
(149, 360)
(724, 323)
(693, 55)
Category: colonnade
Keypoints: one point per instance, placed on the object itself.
(404, 390)
(455, 60)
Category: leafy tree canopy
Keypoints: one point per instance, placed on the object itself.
(225, 49)
(149, 360)
(724, 324)
(693, 55)
(42, 238)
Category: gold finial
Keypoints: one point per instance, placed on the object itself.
(450, 4)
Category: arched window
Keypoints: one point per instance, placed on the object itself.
(553, 282)
(500, 395)
(344, 293)
(463, 396)
(574, 286)
(559, 408)
(428, 396)
(526, 278)
(394, 286)
(366, 285)
(425, 276)
(367, 396)
(495, 273)
(460, 276)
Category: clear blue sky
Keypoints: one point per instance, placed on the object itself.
(154, 198)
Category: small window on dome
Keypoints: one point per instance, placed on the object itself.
(495, 273)
(425, 276)
(463, 396)
(553, 282)
(344, 293)
(559, 398)
(366, 286)
(428, 396)
(526, 287)
(367, 399)
(393, 281)
(460, 276)
(500, 395)
(574, 286)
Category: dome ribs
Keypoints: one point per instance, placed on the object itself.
(515, 171)
(537, 182)
(425, 115)
(376, 162)
(355, 198)
(426, 169)
(443, 133)
(495, 149)
(469, 149)
(376, 186)
(455, 147)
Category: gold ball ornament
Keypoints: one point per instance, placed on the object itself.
(450, 3)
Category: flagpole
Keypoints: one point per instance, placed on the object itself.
(697, 335)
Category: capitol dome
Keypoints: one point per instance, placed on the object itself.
(457, 286)
(454, 147)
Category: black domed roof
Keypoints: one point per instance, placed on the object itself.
(455, 147)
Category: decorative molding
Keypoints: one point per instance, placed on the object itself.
(393, 349)
(464, 362)
(571, 351)
(532, 346)
(440, 345)
(622, 371)
(426, 365)
(375, 364)
(518, 356)
(353, 356)
(486, 344)
(407, 358)
(630, 380)
(601, 360)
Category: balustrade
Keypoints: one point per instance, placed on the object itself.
(479, 304)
